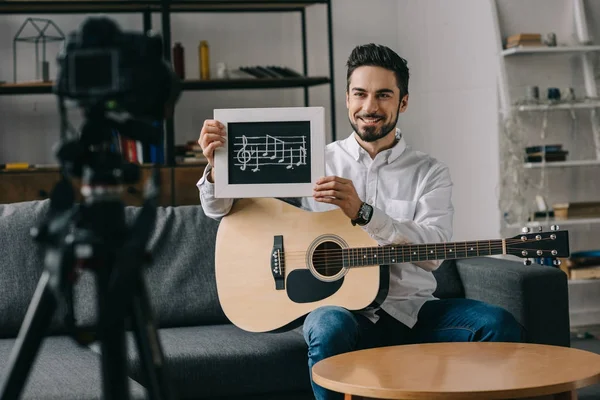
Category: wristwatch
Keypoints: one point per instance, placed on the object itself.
(365, 212)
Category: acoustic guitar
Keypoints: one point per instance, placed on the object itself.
(275, 263)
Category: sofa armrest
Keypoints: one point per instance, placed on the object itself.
(536, 295)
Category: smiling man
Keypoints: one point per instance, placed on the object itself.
(397, 195)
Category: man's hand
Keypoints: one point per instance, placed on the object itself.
(338, 191)
(212, 136)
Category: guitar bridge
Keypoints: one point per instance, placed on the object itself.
(277, 262)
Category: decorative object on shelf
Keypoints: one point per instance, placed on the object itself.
(41, 27)
(587, 209)
(552, 152)
(550, 39)
(179, 60)
(524, 40)
(222, 71)
(271, 71)
(204, 60)
(189, 153)
(532, 94)
(553, 93)
(270, 152)
(568, 94)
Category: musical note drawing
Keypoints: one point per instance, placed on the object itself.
(243, 155)
(260, 150)
(275, 142)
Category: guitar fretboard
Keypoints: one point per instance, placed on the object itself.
(392, 254)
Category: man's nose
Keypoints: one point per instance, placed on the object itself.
(370, 105)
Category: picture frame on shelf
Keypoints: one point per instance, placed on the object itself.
(270, 152)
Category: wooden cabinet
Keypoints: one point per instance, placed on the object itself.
(25, 185)
(184, 182)
(177, 185)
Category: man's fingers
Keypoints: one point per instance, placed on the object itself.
(331, 193)
(213, 123)
(210, 149)
(333, 178)
(330, 185)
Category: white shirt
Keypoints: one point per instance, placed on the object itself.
(411, 197)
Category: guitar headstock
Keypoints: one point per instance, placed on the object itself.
(545, 247)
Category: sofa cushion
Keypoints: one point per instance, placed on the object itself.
(63, 370)
(180, 280)
(223, 360)
(21, 264)
(449, 284)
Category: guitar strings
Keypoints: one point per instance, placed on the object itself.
(418, 249)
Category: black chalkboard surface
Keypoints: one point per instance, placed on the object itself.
(269, 152)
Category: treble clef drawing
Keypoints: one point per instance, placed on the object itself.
(243, 155)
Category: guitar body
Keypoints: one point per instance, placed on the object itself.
(273, 267)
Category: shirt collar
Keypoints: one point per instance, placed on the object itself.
(391, 154)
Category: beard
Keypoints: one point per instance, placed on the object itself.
(374, 133)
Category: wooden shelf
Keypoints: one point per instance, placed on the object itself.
(26, 88)
(111, 6)
(188, 85)
(562, 164)
(549, 50)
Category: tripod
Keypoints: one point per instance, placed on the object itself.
(94, 235)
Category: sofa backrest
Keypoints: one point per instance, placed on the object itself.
(180, 280)
(449, 284)
(21, 264)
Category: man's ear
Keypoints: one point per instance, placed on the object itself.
(347, 99)
(404, 103)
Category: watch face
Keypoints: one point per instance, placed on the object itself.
(366, 211)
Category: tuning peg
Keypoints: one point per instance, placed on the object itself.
(540, 229)
(525, 229)
(527, 261)
(556, 262)
(554, 227)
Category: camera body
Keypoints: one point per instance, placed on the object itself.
(101, 66)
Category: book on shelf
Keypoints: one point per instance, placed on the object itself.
(189, 153)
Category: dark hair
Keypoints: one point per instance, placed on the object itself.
(379, 56)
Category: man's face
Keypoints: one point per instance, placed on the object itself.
(373, 101)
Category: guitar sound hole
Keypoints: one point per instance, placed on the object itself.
(327, 259)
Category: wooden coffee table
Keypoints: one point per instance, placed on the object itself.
(452, 371)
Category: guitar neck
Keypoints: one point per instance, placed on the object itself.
(392, 254)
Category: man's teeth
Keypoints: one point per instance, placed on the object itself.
(371, 119)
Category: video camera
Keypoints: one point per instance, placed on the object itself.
(101, 66)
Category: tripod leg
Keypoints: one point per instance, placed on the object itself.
(37, 319)
(149, 346)
(113, 344)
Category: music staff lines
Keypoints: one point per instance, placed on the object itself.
(258, 151)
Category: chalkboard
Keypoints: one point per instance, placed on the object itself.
(270, 152)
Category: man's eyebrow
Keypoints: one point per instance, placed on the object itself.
(357, 89)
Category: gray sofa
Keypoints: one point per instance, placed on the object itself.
(207, 356)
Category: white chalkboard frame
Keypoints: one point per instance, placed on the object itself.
(316, 116)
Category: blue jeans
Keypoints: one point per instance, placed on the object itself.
(332, 330)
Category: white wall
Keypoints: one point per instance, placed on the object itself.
(449, 47)
(452, 112)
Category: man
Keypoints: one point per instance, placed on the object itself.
(397, 195)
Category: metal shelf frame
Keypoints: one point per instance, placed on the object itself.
(165, 8)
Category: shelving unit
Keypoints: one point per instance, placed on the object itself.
(165, 8)
(517, 132)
